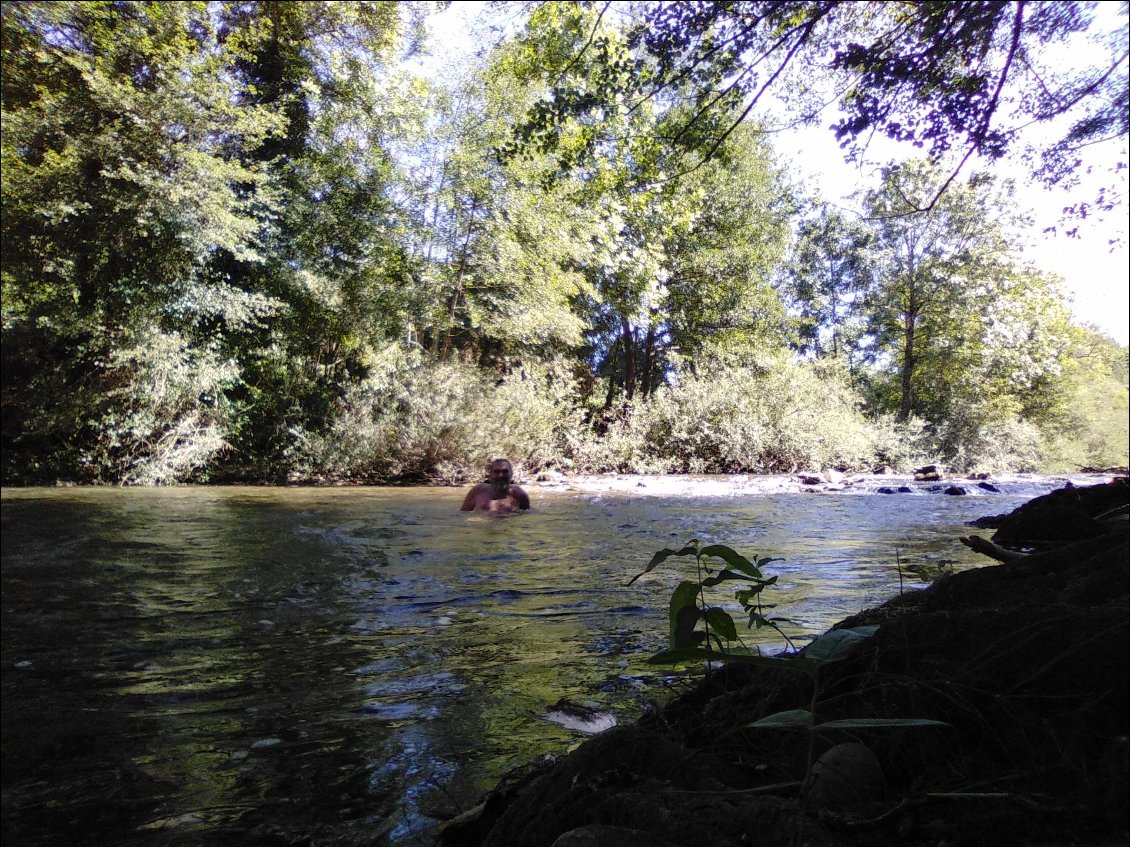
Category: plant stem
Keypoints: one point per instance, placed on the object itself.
(702, 599)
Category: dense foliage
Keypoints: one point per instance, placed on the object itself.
(241, 241)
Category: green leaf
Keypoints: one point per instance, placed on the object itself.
(733, 559)
(682, 626)
(729, 574)
(791, 719)
(685, 595)
(745, 595)
(722, 624)
(757, 619)
(838, 643)
(663, 555)
(866, 723)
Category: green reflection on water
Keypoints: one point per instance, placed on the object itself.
(183, 665)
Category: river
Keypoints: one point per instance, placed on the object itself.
(348, 665)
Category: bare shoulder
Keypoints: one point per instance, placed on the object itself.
(471, 501)
(520, 497)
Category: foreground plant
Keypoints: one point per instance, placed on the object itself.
(690, 643)
(689, 606)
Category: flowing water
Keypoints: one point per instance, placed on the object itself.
(347, 666)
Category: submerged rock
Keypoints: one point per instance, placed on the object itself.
(580, 717)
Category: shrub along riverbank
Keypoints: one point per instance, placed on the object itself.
(1024, 666)
(412, 420)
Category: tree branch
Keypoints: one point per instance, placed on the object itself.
(588, 44)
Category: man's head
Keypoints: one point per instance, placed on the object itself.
(501, 474)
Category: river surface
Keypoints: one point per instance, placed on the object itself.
(347, 666)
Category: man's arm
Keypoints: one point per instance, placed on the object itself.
(520, 496)
(469, 500)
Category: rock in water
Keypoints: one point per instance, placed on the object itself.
(581, 718)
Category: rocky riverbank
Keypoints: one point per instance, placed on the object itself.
(1017, 676)
(811, 482)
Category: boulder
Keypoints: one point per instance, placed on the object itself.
(845, 776)
(1066, 514)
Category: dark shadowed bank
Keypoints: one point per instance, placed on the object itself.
(1024, 662)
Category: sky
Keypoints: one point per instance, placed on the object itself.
(1096, 275)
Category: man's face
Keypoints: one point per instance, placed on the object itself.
(500, 475)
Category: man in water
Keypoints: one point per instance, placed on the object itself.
(498, 495)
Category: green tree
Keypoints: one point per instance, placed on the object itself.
(670, 266)
(1085, 417)
(331, 254)
(502, 245)
(720, 293)
(200, 245)
(830, 269)
(937, 273)
(117, 189)
(958, 330)
(1007, 377)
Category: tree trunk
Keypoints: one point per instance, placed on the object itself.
(833, 307)
(907, 368)
(648, 359)
(629, 360)
(611, 375)
(457, 288)
(988, 548)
